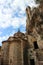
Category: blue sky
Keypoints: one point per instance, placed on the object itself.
(13, 17)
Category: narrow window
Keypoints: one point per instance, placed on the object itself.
(35, 45)
(25, 56)
(2, 62)
(32, 62)
(10, 60)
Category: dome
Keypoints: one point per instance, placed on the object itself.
(19, 34)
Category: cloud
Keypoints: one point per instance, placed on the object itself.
(2, 1)
(12, 14)
(6, 14)
(0, 32)
(10, 9)
(3, 38)
(17, 22)
(4, 24)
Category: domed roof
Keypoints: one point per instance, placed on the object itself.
(19, 34)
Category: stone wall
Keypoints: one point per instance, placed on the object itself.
(5, 51)
(0, 55)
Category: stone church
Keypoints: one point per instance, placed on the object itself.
(25, 48)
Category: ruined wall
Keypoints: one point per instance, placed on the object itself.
(0, 55)
(5, 52)
(13, 53)
(16, 51)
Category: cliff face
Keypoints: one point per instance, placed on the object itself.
(34, 30)
(34, 22)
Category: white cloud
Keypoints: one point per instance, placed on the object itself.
(3, 38)
(15, 22)
(0, 32)
(18, 21)
(23, 21)
(2, 1)
(6, 12)
(9, 8)
(5, 23)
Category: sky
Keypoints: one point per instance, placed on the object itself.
(13, 17)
